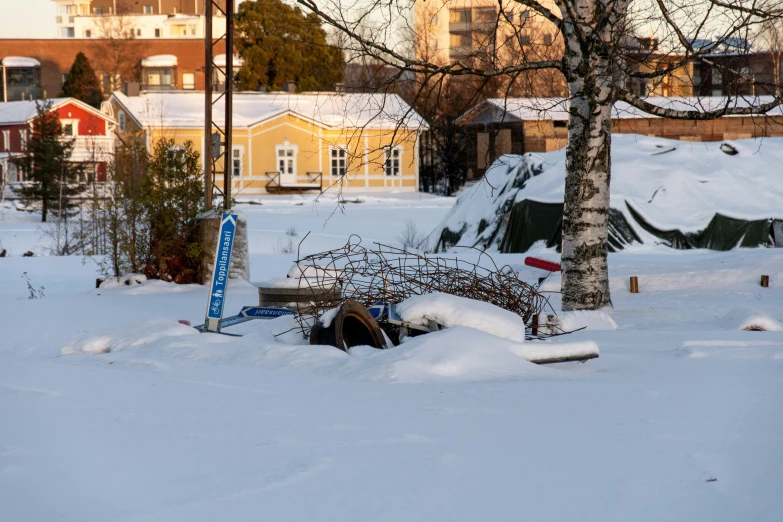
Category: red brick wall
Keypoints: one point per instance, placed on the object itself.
(166, 6)
(57, 56)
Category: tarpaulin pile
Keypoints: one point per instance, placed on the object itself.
(676, 194)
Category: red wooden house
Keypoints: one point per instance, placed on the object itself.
(91, 129)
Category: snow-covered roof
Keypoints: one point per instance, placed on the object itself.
(178, 109)
(19, 61)
(17, 112)
(220, 60)
(535, 109)
(181, 17)
(22, 111)
(160, 60)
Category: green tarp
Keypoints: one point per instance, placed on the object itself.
(530, 221)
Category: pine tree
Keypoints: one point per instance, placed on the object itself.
(280, 43)
(82, 83)
(52, 179)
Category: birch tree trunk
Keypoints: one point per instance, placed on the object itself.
(590, 33)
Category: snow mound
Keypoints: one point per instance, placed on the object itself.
(761, 322)
(454, 355)
(126, 337)
(589, 320)
(450, 311)
(459, 354)
(124, 280)
(732, 349)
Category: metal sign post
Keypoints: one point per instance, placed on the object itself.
(217, 291)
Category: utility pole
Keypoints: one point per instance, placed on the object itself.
(217, 136)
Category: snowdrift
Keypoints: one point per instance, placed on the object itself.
(667, 192)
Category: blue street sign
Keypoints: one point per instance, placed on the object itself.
(264, 312)
(217, 293)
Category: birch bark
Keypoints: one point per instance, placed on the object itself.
(590, 29)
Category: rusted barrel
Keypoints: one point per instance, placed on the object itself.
(297, 298)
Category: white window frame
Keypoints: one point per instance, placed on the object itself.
(147, 9)
(237, 159)
(74, 126)
(389, 159)
(23, 139)
(286, 146)
(6, 140)
(188, 86)
(332, 158)
(121, 120)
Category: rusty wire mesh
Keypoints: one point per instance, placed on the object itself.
(384, 273)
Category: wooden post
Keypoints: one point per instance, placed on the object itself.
(634, 285)
(765, 281)
(534, 325)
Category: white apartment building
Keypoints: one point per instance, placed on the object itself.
(85, 19)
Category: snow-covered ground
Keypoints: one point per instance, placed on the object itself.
(112, 411)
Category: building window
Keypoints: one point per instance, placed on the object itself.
(23, 139)
(236, 162)
(158, 78)
(70, 127)
(547, 39)
(459, 16)
(188, 81)
(6, 140)
(459, 40)
(98, 10)
(391, 165)
(138, 32)
(121, 121)
(87, 33)
(66, 32)
(147, 9)
(339, 159)
(485, 15)
(286, 159)
(157, 33)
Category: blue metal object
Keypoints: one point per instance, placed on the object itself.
(217, 293)
(264, 312)
(378, 310)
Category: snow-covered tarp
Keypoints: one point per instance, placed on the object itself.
(657, 185)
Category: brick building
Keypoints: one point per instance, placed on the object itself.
(519, 125)
(183, 67)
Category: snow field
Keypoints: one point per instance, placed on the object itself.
(113, 411)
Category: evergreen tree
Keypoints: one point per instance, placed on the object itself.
(173, 196)
(82, 83)
(52, 179)
(279, 43)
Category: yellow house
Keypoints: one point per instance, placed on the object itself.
(287, 142)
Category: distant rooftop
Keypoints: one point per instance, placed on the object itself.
(185, 109)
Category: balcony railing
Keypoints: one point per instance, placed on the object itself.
(150, 87)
